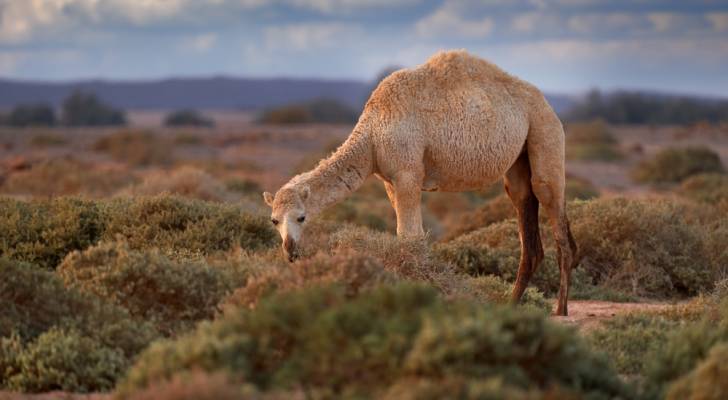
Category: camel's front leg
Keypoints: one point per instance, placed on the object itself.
(407, 198)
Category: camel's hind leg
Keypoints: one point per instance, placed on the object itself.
(545, 146)
(518, 187)
(407, 198)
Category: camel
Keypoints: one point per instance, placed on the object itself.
(456, 123)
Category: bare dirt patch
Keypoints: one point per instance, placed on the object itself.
(589, 314)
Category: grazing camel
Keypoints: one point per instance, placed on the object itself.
(456, 123)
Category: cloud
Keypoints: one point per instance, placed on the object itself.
(200, 43)
(347, 6)
(307, 36)
(719, 20)
(605, 22)
(445, 21)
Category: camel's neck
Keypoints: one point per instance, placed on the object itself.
(340, 174)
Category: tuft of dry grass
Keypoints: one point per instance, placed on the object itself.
(135, 147)
(183, 181)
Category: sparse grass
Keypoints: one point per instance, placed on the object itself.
(591, 141)
(47, 139)
(674, 164)
(183, 181)
(135, 147)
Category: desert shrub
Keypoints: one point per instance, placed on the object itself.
(580, 189)
(408, 259)
(244, 186)
(60, 360)
(47, 139)
(135, 147)
(626, 248)
(685, 348)
(711, 188)
(86, 109)
(187, 118)
(173, 295)
(708, 381)
(67, 176)
(319, 110)
(328, 344)
(495, 290)
(184, 181)
(591, 141)
(628, 339)
(495, 210)
(44, 231)
(644, 248)
(355, 272)
(31, 115)
(196, 385)
(672, 165)
(35, 301)
(177, 224)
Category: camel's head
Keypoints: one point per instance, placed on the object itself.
(288, 215)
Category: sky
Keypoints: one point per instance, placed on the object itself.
(563, 46)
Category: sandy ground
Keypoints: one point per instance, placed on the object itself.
(589, 314)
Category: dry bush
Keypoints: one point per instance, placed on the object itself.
(355, 272)
(706, 188)
(67, 176)
(35, 301)
(328, 344)
(173, 295)
(135, 147)
(580, 189)
(708, 381)
(626, 247)
(673, 165)
(47, 139)
(183, 181)
(195, 385)
(642, 247)
(591, 141)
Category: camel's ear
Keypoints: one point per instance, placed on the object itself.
(268, 198)
(304, 193)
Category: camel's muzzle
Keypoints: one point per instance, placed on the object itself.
(289, 248)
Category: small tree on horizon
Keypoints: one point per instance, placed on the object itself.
(86, 109)
(22, 115)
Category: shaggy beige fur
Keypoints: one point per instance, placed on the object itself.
(455, 123)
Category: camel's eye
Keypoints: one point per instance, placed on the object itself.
(274, 221)
(301, 219)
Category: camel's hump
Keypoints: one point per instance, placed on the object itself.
(444, 71)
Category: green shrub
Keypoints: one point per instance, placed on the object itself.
(672, 165)
(591, 141)
(494, 290)
(31, 115)
(176, 224)
(86, 109)
(708, 381)
(643, 248)
(628, 339)
(173, 295)
(35, 301)
(627, 248)
(328, 344)
(135, 147)
(60, 360)
(187, 118)
(44, 231)
(686, 347)
(47, 139)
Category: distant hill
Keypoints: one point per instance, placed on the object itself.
(202, 93)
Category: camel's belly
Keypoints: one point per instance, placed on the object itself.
(473, 155)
